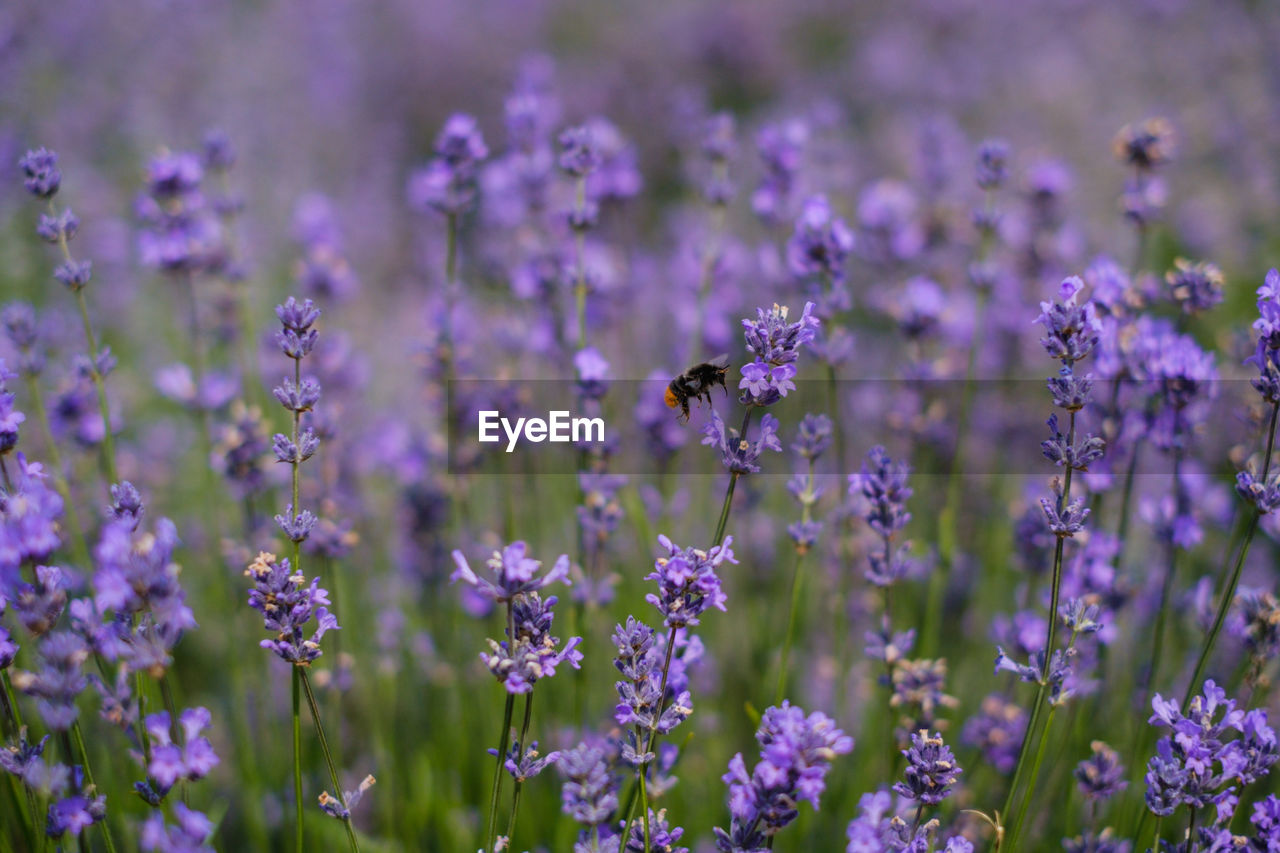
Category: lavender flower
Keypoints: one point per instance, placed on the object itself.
(190, 834)
(644, 701)
(287, 605)
(126, 504)
(1071, 329)
(1146, 144)
(882, 488)
(662, 835)
(40, 173)
(448, 183)
(992, 164)
(73, 815)
(918, 689)
(997, 730)
(29, 514)
(781, 149)
(38, 605)
(820, 244)
(180, 230)
(687, 581)
(296, 338)
(931, 769)
(813, 436)
(737, 454)
(532, 654)
(1196, 287)
(1101, 775)
(59, 680)
(795, 753)
(579, 155)
(1064, 454)
(524, 764)
(1197, 764)
(590, 791)
(192, 758)
(334, 807)
(774, 340)
(515, 574)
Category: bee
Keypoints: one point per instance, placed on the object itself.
(696, 384)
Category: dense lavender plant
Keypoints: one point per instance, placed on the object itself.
(796, 753)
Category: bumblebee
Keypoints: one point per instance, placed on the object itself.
(696, 384)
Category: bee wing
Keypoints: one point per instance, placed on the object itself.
(721, 361)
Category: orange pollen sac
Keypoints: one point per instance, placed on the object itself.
(670, 398)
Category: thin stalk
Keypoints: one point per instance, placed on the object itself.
(1157, 639)
(644, 799)
(948, 519)
(204, 420)
(13, 714)
(11, 699)
(297, 759)
(108, 443)
(450, 273)
(806, 513)
(724, 510)
(580, 276)
(328, 758)
(1122, 527)
(1229, 594)
(1048, 649)
(791, 630)
(1017, 825)
(78, 737)
(497, 772)
(733, 482)
(709, 258)
(524, 747)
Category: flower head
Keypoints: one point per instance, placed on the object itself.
(287, 604)
(687, 581)
(796, 751)
(931, 769)
(40, 173)
(514, 573)
(1101, 775)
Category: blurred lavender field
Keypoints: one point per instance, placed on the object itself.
(268, 264)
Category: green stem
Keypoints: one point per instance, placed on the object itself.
(297, 759)
(524, 747)
(948, 519)
(1018, 823)
(328, 758)
(204, 419)
(1229, 594)
(580, 285)
(791, 630)
(497, 772)
(108, 445)
(644, 800)
(78, 737)
(1157, 640)
(1063, 500)
(724, 510)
